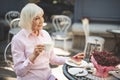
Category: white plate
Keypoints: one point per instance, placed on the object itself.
(117, 31)
(78, 71)
(83, 63)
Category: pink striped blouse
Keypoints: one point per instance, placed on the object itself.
(23, 45)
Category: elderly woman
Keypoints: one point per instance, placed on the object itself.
(31, 61)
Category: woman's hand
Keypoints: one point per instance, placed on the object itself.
(37, 51)
(80, 55)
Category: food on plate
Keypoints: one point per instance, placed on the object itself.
(75, 59)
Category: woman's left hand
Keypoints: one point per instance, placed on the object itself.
(80, 55)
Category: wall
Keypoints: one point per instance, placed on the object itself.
(8, 5)
(97, 10)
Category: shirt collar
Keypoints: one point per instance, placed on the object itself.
(28, 34)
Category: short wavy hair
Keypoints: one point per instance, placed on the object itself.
(28, 12)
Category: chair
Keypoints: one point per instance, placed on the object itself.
(14, 28)
(91, 42)
(9, 16)
(61, 24)
(8, 55)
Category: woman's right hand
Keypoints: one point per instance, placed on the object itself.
(37, 51)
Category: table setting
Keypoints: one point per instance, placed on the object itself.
(78, 70)
(86, 71)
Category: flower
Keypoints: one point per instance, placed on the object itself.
(105, 58)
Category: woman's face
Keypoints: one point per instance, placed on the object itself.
(37, 23)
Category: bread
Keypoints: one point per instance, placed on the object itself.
(75, 60)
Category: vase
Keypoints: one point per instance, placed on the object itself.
(101, 71)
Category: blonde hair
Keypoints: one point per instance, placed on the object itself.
(30, 11)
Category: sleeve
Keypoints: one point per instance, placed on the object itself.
(58, 60)
(21, 64)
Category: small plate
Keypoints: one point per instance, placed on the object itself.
(117, 31)
(78, 71)
(83, 63)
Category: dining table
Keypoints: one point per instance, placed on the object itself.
(85, 72)
(116, 34)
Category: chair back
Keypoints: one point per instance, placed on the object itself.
(9, 16)
(14, 28)
(8, 55)
(91, 42)
(61, 23)
(85, 23)
(14, 23)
